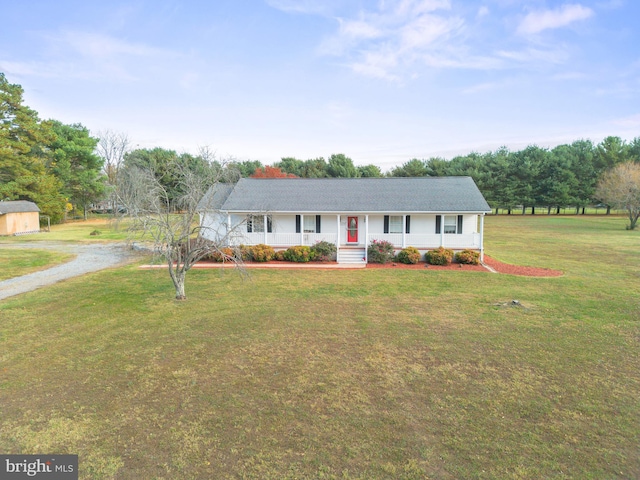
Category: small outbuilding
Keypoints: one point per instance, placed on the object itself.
(19, 217)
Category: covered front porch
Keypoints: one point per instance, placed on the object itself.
(352, 234)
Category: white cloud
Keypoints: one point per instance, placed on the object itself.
(532, 55)
(536, 22)
(302, 6)
(482, 11)
(632, 121)
(100, 46)
(87, 55)
(359, 29)
(382, 42)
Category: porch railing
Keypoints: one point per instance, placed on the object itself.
(286, 239)
(422, 241)
(470, 240)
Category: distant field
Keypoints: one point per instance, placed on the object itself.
(563, 211)
(76, 231)
(345, 374)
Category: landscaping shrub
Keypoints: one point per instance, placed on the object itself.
(380, 251)
(468, 257)
(324, 251)
(409, 255)
(279, 256)
(224, 254)
(262, 253)
(299, 253)
(244, 252)
(441, 256)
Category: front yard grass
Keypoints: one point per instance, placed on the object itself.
(352, 374)
(16, 262)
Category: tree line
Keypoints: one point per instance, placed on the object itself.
(561, 177)
(62, 167)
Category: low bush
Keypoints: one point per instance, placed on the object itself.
(380, 251)
(409, 255)
(279, 256)
(244, 252)
(468, 257)
(299, 253)
(225, 254)
(441, 256)
(262, 253)
(324, 251)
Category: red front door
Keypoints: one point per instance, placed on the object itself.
(352, 229)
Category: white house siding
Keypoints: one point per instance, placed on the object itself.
(422, 231)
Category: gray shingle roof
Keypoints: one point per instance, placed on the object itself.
(18, 206)
(215, 197)
(300, 195)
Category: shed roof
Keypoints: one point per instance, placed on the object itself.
(406, 194)
(17, 206)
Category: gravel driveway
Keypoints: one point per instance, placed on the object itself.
(89, 258)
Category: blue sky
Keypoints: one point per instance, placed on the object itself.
(380, 81)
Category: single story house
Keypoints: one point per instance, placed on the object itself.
(423, 212)
(19, 217)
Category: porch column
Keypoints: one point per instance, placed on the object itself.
(301, 229)
(366, 238)
(482, 237)
(338, 238)
(264, 223)
(404, 231)
(442, 230)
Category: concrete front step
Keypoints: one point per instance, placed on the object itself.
(351, 255)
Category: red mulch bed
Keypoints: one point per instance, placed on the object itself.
(518, 270)
(495, 264)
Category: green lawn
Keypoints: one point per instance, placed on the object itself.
(76, 231)
(16, 262)
(352, 374)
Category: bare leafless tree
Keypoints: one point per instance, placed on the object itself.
(620, 188)
(174, 228)
(112, 147)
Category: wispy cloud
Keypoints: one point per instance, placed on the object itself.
(382, 42)
(87, 55)
(303, 6)
(536, 22)
(531, 55)
(632, 121)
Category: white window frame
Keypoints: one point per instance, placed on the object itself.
(256, 222)
(396, 224)
(309, 224)
(450, 224)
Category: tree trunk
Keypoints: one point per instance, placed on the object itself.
(558, 211)
(533, 210)
(178, 274)
(180, 295)
(608, 209)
